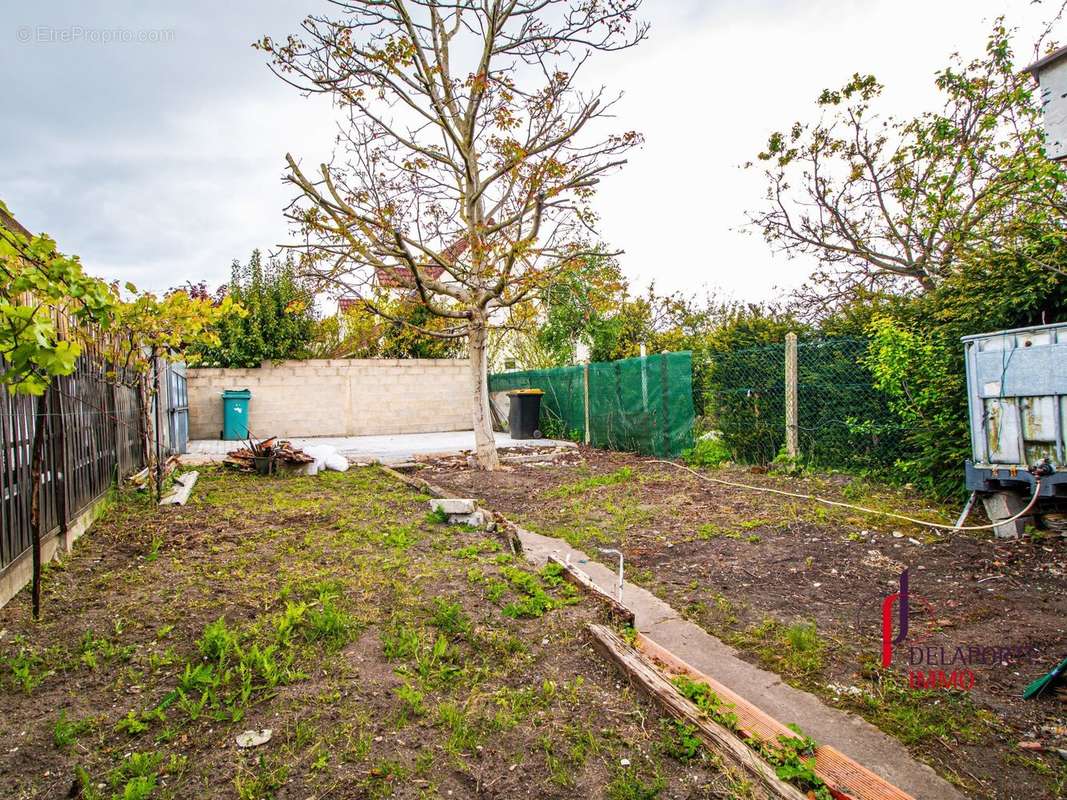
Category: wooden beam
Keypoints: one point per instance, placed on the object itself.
(718, 739)
(415, 483)
(183, 487)
(582, 580)
(846, 779)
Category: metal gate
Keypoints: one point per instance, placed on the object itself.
(177, 409)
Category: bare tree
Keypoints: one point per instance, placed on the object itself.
(884, 203)
(468, 156)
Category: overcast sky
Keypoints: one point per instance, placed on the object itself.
(159, 160)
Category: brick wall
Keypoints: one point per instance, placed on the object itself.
(337, 397)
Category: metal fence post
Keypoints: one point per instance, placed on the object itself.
(791, 426)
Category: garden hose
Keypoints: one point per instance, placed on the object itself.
(838, 504)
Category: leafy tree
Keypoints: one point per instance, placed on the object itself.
(359, 332)
(583, 304)
(39, 286)
(470, 155)
(278, 319)
(891, 204)
(591, 302)
(148, 330)
(917, 358)
(46, 302)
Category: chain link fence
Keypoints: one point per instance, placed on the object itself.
(843, 421)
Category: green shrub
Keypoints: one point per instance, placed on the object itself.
(708, 451)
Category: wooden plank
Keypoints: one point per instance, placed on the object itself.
(415, 483)
(582, 580)
(846, 779)
(183, 487)
(718, 739)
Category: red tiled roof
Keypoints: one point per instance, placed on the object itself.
(401, 277)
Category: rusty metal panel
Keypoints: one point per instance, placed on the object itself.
(1017, 395)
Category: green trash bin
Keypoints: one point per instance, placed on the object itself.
(235, 404)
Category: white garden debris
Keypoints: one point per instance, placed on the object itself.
(325, 457)
(254, 738)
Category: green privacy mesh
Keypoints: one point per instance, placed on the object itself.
(643, 405)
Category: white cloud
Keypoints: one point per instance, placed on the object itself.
(162, 163)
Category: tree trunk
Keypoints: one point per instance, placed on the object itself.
(158, 426)
(484, 443)
(36, 469)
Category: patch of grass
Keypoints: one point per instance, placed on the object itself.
(329, 624)
(580, 487)
(135, 778)
(462, 734)
(478, 549)
(792, 756)
(710, 530)
(793, 759)
(534, 600)
(920, 716)
(629, 785)
(412, 699)
(437, 516)
(707, 452)
(679, 741)
(261, 781)
(794, 650)
(1054, 774)
(702, 696)
(28, 669)
(449, 617)
(93, 650)
(66, 731)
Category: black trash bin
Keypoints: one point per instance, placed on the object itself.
(524, 412)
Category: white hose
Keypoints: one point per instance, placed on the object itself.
(824, 501)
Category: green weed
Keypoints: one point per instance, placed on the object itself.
(66, 731)
(628, 785)
(621, 475)
(707, 452)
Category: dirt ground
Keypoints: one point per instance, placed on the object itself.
(389, 655)
(798, 587)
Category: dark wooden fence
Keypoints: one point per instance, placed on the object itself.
(91, 439)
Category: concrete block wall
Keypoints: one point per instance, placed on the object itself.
(338, 397)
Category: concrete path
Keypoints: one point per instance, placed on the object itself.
(849, 733)
(393, 449)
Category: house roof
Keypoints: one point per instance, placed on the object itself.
(12, 224)
(1048, 60)
(401, 278)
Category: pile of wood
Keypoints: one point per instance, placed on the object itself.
(281, 451)
(141, 480)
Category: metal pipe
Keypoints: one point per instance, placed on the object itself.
(609, 551)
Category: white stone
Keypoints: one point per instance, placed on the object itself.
(476, 519)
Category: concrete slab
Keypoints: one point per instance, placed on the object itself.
(851, 734)
(392, 449)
